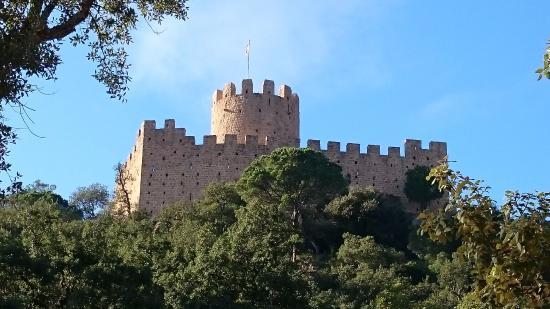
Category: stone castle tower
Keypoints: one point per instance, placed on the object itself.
(167, 166)
(274, 119)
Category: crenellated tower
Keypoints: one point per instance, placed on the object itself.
(273, 118)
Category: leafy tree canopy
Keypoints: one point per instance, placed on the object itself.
(31, 34)
(363, 211)
(90, 200)
(544, 71)
(508, 246)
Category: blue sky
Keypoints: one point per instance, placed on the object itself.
(367, 71)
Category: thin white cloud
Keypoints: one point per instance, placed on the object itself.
(290, 41)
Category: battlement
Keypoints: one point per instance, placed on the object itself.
(169, 134)
(413, 148)
(247, 89)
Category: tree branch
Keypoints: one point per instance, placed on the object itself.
(48, 11)
(62, 30)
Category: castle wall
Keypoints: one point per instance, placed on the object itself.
(273, 118)
(171, 167)
(175, 168)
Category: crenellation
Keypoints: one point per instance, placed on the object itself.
(412, 146)
(333, 147)
(438, 148)
(230, 139)
(314, 144)
(373, 150)
(209, 140)
(169, 124)
(352, 149)
(394, 152)
(216, 96)
(188, 140)
(167, 165)
(285, 92)
(229, 90)
(247, 87)
(268, 87)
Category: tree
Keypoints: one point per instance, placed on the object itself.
(418, 188)
(40, 186)
(31, 35)
(246, 264)
(122, 203)
(300, 181)
(508, 246)
(369, 275)
(90, 200)
(544, 71)
(218, 206)
(48, 258)
(363, 211)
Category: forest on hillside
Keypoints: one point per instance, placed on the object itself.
(289, 233)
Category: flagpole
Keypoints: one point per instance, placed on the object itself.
(248, 60)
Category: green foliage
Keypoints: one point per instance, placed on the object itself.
(31, 34)
(32, 197)
(508, 246)
(418, 188)
(454, 281)
(48, 260)
(246, 264)
(233, 251)
(39, 186)
(363, 211)
(292, 177)
(368, 275)
(90, 200)
(298, 181)
(544, 71)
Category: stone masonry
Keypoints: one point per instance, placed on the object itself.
(168, 166)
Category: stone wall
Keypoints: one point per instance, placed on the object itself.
(174, 168)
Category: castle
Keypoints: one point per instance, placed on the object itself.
(166, 165)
